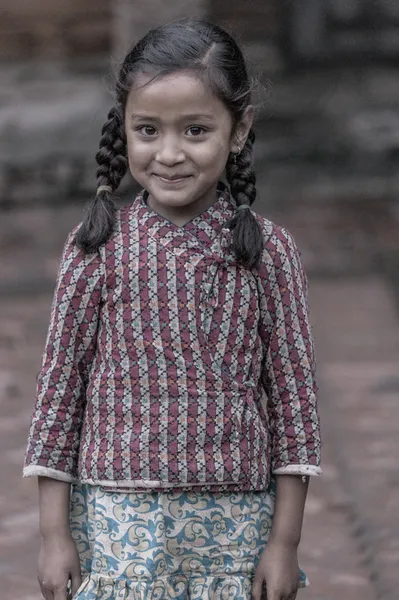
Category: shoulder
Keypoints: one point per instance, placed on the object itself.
(271, 231)
(126, 218)
(123, 217)
(74, 259)
(281, 260)
(279, 243)
(124, 213)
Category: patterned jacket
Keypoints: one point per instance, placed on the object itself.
(169, 366)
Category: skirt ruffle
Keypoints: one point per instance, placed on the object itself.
(169, 546)
(175, 587)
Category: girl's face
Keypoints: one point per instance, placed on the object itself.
(179, 136)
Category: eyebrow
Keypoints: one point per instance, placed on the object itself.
(196, 117)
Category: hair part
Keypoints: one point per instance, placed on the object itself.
(210, 52)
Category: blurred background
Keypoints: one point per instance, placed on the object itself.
(327, 157)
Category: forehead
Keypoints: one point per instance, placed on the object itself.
(178, 93)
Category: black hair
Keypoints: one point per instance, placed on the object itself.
(214, 55)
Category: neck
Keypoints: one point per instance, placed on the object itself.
(180, 215)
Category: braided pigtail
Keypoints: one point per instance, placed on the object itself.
(213, 55)
(246, 232)
(112, 166)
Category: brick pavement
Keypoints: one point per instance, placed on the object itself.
(350, 545)
(350, 541)
(357, 326)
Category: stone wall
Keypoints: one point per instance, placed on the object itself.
(48, 29)
(130, 23)
(257, 27)
(252, 20)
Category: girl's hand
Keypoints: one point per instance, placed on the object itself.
(58, 563)
(278, 568)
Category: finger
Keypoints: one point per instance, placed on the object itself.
(256, 591)
(47, 593)
(76, 581)
(274, 595)
(60, 593)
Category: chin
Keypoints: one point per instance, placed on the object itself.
(173, 201)
(177, 197)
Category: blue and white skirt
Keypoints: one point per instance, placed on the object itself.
(174, 545)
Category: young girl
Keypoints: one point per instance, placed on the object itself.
(177, 390)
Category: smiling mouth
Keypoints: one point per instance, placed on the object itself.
(172, 179)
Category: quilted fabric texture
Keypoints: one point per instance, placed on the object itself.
(159, 353)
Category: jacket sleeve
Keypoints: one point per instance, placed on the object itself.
(289, 364)
(53, 445)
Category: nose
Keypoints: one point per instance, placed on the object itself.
(170, 151)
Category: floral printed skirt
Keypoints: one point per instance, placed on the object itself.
(174, 545)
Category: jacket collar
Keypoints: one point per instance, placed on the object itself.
(202, 232)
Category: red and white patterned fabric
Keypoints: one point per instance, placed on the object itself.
(159, 353)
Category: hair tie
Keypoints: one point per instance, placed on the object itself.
(236, 154)
(104, 188)
(243, 207)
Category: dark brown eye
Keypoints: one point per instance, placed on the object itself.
(147, 130)
(195, 131)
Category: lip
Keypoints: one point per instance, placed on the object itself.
(173, 180)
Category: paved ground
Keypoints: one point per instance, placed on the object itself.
(350, 545)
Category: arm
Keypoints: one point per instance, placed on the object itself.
(53, 507)
(290, 383)
(278, 564)
(58, 557)
(291, 494)
(289, 374)
(54, 437)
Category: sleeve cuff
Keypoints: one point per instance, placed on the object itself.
(310, 470)
(39, 471)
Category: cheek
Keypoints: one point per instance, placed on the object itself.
(213, 155)
(139, 155)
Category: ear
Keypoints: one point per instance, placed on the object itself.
(242, 129)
